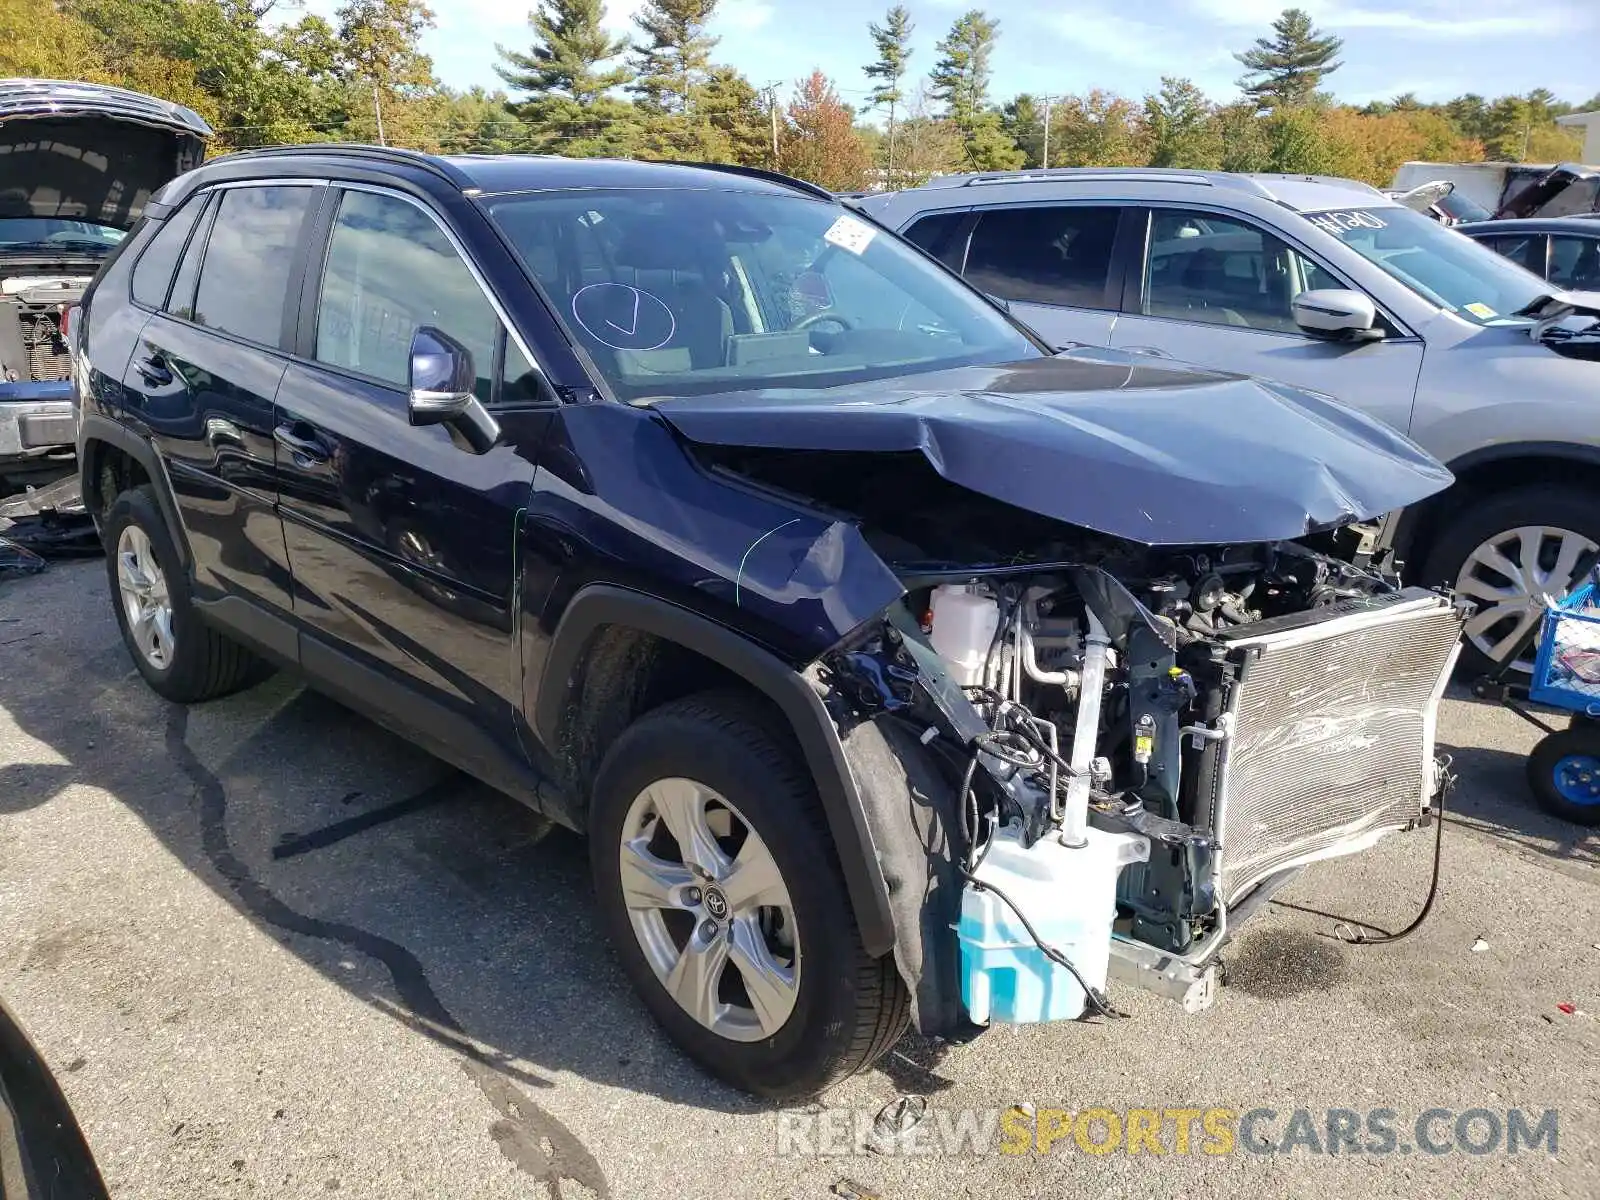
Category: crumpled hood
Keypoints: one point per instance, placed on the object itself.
(1154, 453)
(84, 152)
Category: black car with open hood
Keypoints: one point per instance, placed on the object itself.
(78, 164)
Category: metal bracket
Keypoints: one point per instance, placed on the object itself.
(1201, 734)
(1165, 974)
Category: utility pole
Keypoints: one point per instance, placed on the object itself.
(772, 107)
(1044, 158)
(377, 110)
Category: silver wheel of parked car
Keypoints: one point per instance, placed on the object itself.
(710, 909)
(145, 599)
(1511, 576)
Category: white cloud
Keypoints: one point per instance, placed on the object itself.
(1165, 50)
(619, 16)
(1458, 19)
(742, 16)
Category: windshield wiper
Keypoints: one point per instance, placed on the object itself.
(55, 245)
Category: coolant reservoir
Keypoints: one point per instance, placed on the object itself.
(1069, 896)
(963, 630)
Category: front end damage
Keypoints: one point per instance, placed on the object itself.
(1138, 673)
(1242, 711)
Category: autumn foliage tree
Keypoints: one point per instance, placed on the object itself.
(819, 142)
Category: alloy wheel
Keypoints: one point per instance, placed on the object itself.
(710, 909)
(146, 602)
(1510, 577)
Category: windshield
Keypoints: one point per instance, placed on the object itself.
(48, 231)
(1446, 267)
(689, 292)
(1458, 208)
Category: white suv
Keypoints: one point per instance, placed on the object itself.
(1330, 285)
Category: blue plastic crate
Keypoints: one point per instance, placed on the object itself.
(1567, 629)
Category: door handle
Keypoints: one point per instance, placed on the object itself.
(153, 370)
(311, 450)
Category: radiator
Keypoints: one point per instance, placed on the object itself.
(1331, 742)
(48, 360)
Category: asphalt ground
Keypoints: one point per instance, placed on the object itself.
(270, 949)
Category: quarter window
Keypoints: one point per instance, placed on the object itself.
(1575, 262)
(933, 232)
(391, 271)
(1056, 255)
(1223, 272)
(244, 279)
(153, 275)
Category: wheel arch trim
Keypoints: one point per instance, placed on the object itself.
(1423, 514)
(95, 428)
(601, 605)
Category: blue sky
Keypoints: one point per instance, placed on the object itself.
(1436, 48)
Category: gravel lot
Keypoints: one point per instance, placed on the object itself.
(270, 949)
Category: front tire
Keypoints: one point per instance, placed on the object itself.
(181, 657)
(719, 886)
(1506, 554)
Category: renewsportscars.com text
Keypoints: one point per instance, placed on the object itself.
(1214, 1131)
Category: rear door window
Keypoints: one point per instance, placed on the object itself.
(1048, 255)
(1524, 249)
(180, 303)
(244, 280)
(153, 274)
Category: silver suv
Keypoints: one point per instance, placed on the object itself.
(1330, 285)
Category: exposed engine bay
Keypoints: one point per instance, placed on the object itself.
(1107, 658)
(1246, 708)
(33, 347)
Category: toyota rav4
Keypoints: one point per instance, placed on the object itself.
(715, 521)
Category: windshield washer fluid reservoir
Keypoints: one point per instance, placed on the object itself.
(1069, 895)
(963, 630)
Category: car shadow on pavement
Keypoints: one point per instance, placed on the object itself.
(427, 895)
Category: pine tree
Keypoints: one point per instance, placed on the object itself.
(1286, 69)
(570, 110)
(893, 40)
(569, 53)
(675, 60)
(961, 82)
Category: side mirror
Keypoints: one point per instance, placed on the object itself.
(442, 381)
(1337, 313)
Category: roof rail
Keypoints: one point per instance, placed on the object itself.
(1224, 179)
(389, 154)
(789, 181)
(1340, 180)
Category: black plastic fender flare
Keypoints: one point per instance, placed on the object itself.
(601, 605)
(92, 427)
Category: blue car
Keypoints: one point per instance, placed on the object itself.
(711, 519)
(81, 160)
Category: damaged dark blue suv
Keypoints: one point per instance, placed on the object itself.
(898, 668)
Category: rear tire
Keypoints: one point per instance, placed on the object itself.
(848, 1008)
(191, 662)
(1570, 519)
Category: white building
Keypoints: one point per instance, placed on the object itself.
(1589, 122)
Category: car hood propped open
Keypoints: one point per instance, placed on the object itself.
(84, 152)
(1158, 454)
